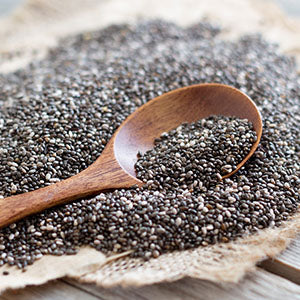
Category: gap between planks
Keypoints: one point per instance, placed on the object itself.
(53, 290)
(258, 285)
(287, 264)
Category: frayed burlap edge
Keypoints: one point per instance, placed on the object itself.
(225, 262)
(52, 267)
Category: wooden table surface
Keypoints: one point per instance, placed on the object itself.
(274, 279)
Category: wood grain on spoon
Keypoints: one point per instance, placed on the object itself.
(115, 167)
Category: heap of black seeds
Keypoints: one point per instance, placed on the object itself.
(57, 115)
(196, 154)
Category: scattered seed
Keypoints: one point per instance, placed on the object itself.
(89, 86)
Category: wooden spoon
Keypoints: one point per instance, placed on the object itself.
(115, 167)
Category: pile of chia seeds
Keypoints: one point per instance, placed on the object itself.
(196, 155)
(57, 114)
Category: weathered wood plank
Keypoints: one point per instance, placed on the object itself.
(287, 264)
(55, 290)
(291, 256)
(259, 285)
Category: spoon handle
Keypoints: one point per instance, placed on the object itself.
(99, 176)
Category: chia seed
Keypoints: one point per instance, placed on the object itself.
(196, 153)
(57, 114)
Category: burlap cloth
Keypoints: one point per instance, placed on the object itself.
(36, 26)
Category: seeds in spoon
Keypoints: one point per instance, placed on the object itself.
(197, 154)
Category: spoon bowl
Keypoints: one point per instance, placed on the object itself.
(184, 105)
(115, 167)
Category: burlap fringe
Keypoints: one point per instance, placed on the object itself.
(36, 26)
(227, 262)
